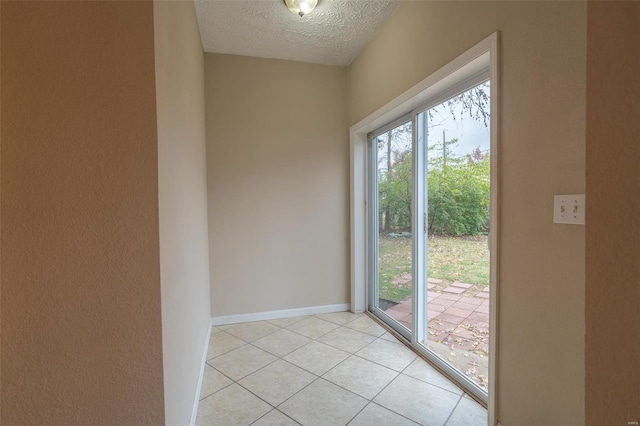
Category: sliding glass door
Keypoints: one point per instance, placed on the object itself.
(390, 224)
(429, 210)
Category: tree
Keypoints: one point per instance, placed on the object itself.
(387, 212)
(396, 192)
(458, 187)
(393, 147)
(474, 103)
(459, 193)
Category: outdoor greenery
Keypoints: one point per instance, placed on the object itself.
(395, 187)
(463, 259)
(458, 195)
(394, 264)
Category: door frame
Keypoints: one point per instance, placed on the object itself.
(483, 57)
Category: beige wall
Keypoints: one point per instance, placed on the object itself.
(1, 213)
(182, 180)
(277, 155)
(541, 325)
(613, 214)
(1, 399)
(81, 319)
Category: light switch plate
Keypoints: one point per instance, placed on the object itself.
(569, 209)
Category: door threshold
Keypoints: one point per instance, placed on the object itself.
(408, 344)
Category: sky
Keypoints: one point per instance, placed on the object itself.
(471, 134)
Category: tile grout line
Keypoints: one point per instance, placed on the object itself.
(422, 357)
(328, 381)
(296, 393)
(429, 383)
(369, 400)
(395, 412)
(453, 411)
(222, 388)
(273, 407)
(317, 377)
(251, 342)
(348, 390)
(402, 415)
(268, 334)
(229, 334)
(423, 360)
(296, 321)
(277, 358)
(271, 411)
(306, 344)
(350, 354)
(220, 372)
(399, 373)
(359, 411)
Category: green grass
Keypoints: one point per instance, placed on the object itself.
(464, 259)
(394, 260)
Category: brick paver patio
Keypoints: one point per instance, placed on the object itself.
(457, 327)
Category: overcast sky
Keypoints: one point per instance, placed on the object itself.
(470, 133)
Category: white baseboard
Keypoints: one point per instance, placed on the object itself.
(284, 313)
(194, 413)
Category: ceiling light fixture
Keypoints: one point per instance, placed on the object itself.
(301, 7)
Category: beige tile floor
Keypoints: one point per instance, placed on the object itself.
(329, 369)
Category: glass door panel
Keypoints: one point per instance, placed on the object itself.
(393, 192)
(457, 191)
(429, 210)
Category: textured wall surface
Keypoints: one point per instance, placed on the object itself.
(81, 320)
(613, 214)
(332, 34)
(0, 212)
(182, 179)
(541, 305)
(277, 150)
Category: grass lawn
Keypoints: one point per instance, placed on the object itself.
(464, 259)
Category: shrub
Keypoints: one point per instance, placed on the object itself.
(458, 193)
(459, 196)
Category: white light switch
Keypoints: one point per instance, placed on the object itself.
(569, 209)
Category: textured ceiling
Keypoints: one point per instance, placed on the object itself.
(333, 34)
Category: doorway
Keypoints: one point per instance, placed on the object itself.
(429, 227)
(433, 277)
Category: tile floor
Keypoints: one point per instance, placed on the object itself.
(329, 369)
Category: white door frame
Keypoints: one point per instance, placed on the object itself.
(481, 57)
